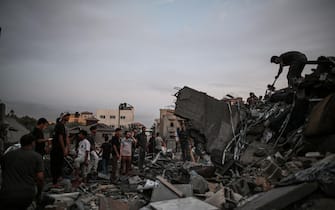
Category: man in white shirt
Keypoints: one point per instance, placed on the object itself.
(125, 150)
(159, 142)
(83, 156)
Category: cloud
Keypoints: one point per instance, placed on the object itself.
(101, 53)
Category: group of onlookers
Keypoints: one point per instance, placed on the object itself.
(23, 169)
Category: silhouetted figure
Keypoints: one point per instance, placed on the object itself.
(296, 62)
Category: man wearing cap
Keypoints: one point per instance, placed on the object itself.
(60, 148)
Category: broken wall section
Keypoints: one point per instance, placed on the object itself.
(212, 122)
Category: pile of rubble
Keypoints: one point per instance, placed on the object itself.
(275, 154)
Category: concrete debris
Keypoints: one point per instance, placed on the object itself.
(188, 203)
(199, 184)
(162, 193)
(279, 198)
(272, 153)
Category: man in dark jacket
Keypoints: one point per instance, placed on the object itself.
(142, 147)
(22, 173)
(42, 124)
(296, 62)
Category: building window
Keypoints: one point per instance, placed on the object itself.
(171, 124)
(112, 117)
(123, 117)
(102, 116)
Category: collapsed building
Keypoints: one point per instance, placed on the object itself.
(276, 154)
(282, 141)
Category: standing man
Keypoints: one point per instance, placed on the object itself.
(184, 143)
(116, 140)
(60, 148)
(133, 146)
(83, 156)
(42, 124)
(142, 146)
(159, 143)
(22, 174)
(94, 156)
(106, 149)
(151, 145)
(125, 152)
(296, 60)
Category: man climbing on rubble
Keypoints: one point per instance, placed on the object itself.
(116, 140)
(142, 146)
(60, 148)
(23, 177)
(296, 60)
(94, 156)
(37, 132)
(83, 156)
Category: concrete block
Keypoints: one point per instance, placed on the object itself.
(279, 198)
(189, 203)
(162, 193)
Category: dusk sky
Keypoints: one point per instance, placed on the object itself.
(96, 54)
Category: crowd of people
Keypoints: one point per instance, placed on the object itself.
(23, 170)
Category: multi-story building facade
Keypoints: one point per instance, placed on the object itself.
(83, 118)
(122, 117)
(168, 126)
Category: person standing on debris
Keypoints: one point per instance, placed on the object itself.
(83, 156)
(133, 147)
(106, 149)
(296, 60)
(60, 148)
(159, 143)
(184, 143)
(37, 132)
(252, 100)
(142, 146)
(151, 144)
(94, 156)
(116, 139)
(22, 175)
(125, 152)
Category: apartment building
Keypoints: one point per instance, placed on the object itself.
(122, 117)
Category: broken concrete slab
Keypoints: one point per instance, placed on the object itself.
(162, 193)
(279, 198)
(112, 204)
(202, 112)
(171, 187)
(223, 197)
(134, 180)
(199, 183)
(189, 203)
(218, 199)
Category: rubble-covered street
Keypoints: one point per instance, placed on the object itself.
(276, 153)
(167, 105)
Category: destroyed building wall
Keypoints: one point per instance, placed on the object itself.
(212, 118)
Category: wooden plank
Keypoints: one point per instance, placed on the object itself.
(171, 187)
